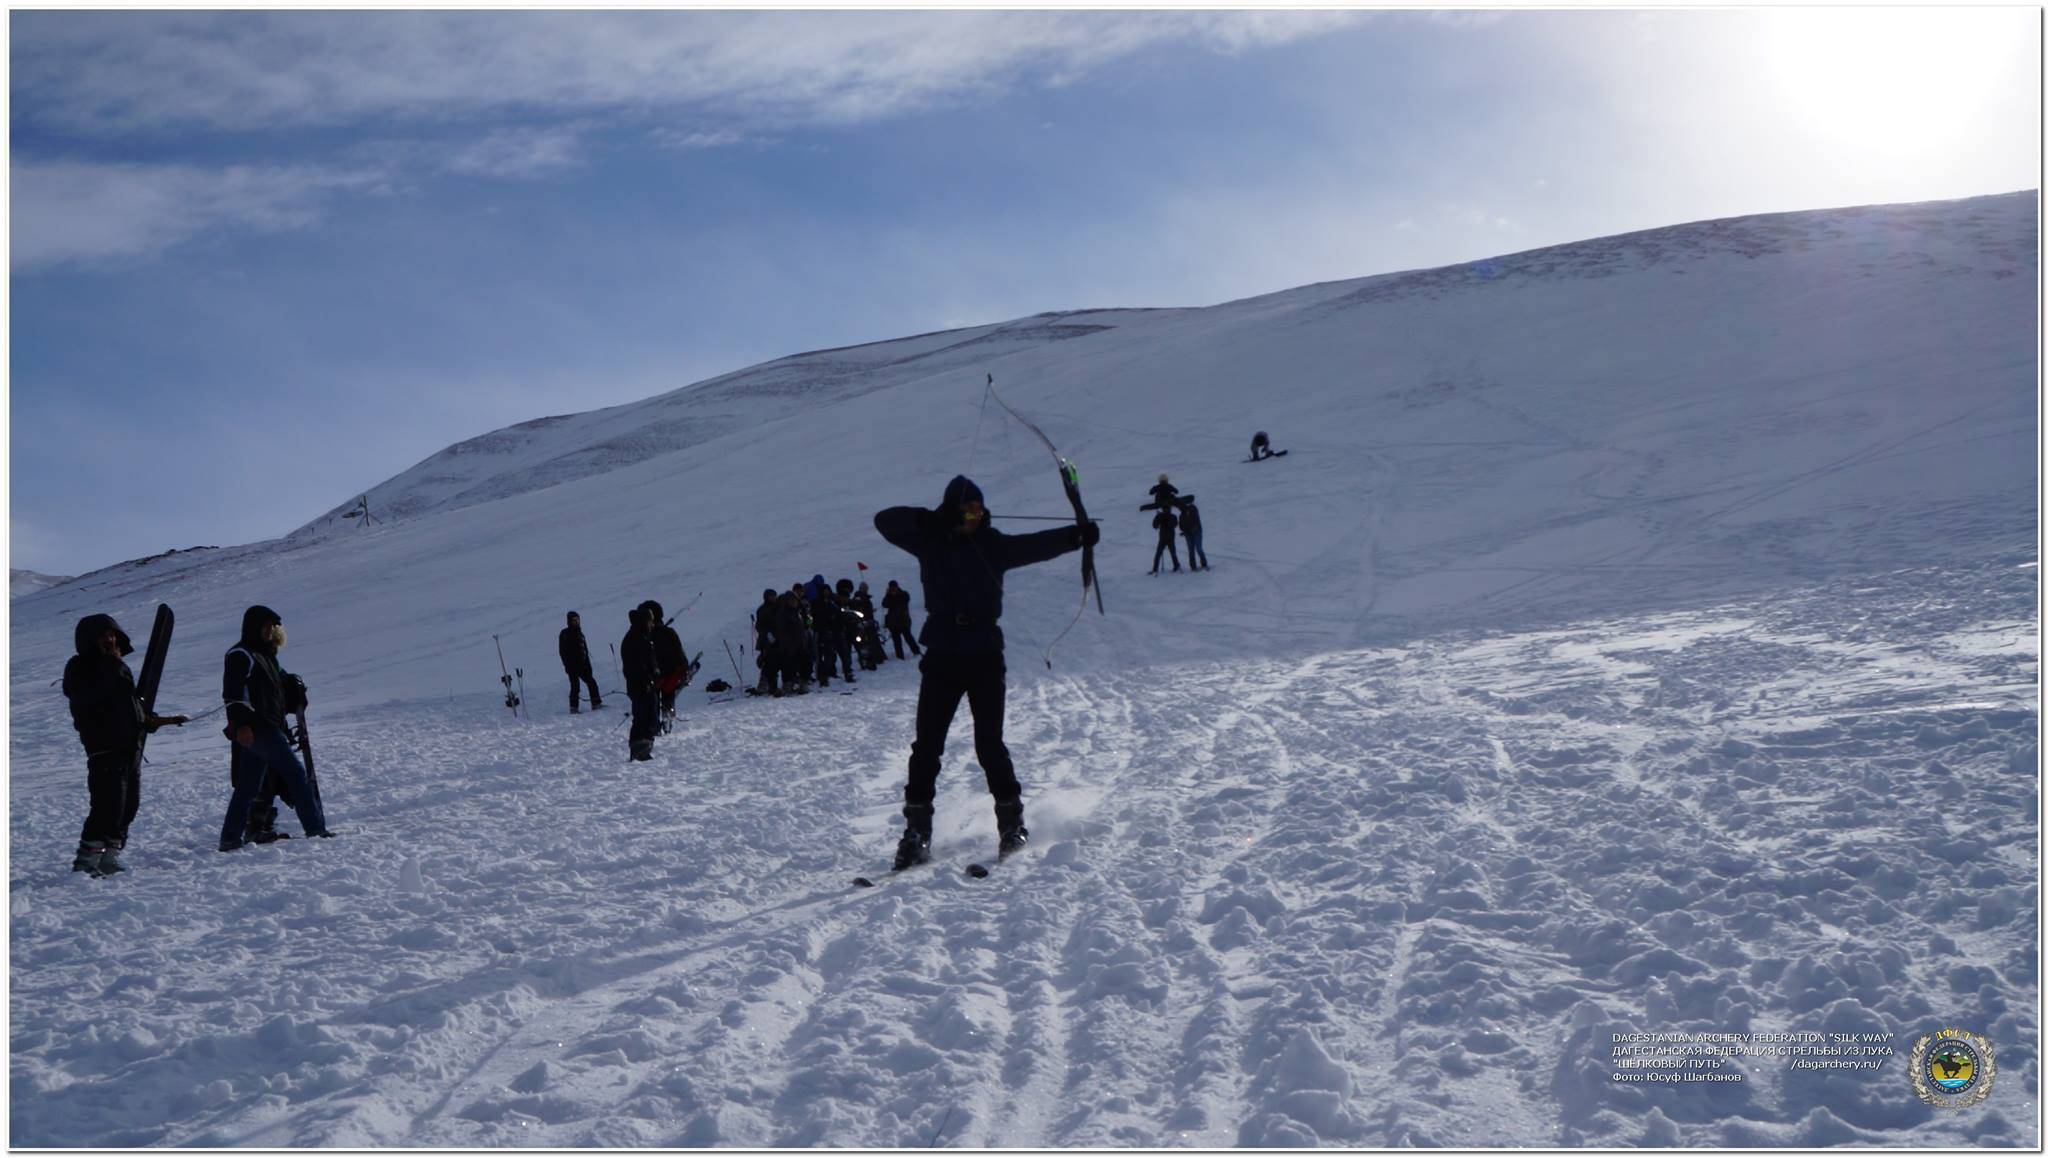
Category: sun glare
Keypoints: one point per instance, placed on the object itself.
(1890, 86)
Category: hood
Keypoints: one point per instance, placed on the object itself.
(960, 491)
(87, 634)
(572, 618)
(654, 609)
(254, 622)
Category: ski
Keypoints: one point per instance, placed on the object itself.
(305, 743)
(512, 698)
(153, 671)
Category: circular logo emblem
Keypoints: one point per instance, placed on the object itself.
(1953, 1069)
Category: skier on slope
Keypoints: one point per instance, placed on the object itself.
(1191, 530)
(1164, 523)
(109, 716)
(642, 670)
(262, 762)
(828, 624)
(794, 633)
(960, 562)
(575, 653)
(896, 618)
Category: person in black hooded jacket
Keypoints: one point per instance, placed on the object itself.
(961, 561)
(671, 660)
(575, 653)
(258, 693)
(108, 713)
(642, 669)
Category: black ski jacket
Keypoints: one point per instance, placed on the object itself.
(765, 635)
(105, 707)
(1164, 493)
(575, 651)
(896, 610)
(790, 631)
(638, 661)
(963, 574)
(1164, 520)
(1190, 520)
(252, 683)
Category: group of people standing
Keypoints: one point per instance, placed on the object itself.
(263, 765)
(811, 630)
(1167, 499)
(813, 633)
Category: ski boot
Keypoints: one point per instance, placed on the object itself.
(110, 863)
(914, 849)
(1011, 834)
(262, 828)
(88, 858)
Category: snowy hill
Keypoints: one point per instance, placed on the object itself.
(20, 582)
(1639, 637)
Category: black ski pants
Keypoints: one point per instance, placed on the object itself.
(947, 677)
(902, 635)
(1165, 548)
(576, 681)
(115, 784)
(646, 716)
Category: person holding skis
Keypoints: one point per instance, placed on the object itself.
(258, 693)
(642, 668)
(111, 721)
(960, 562)
(1191, 530)
(896, 618)
(1164, 522)
(671, 659)
(575, 652)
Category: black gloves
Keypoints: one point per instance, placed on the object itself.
(1087, 535)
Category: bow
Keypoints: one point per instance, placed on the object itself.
(1070, 478)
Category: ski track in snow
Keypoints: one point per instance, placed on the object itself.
(1375, 898)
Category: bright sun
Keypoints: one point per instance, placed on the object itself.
(1891, 85)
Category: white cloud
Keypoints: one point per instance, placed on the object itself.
(113, 71)
(519, 154)
(672, 138)
(73, 212)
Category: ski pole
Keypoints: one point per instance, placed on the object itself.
(742, 680)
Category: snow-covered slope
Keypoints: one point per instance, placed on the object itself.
(20, 582)
(1639, 636)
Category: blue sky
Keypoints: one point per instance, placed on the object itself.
(262, 261)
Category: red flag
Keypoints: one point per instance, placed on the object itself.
(859, 564)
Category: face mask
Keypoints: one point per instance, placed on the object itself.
(276, 636)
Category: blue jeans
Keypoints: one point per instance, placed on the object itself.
(271, 751)
(1196, 553)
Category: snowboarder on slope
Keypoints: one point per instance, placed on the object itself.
(961, 561)
(575, 652)
(262, 760)
(1262, 447)
(108, 713)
